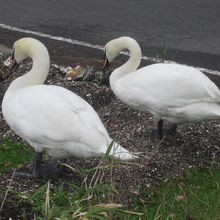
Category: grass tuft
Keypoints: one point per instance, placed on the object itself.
(13, 153)
(195, 195)
(52, 202)
(107, 154)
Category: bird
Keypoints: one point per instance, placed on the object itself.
(52, 119)
(175, 93)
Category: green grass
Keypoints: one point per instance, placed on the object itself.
(98, 80)
(13, 153)
(52, 202)
(193, 196)
(162, 53)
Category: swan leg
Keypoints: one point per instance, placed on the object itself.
(42, 170)
(61, 167)
(36, 167)
(172, 129)
(160, 129)
(167, 131)
(37, 164)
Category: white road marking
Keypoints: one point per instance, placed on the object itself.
(99, 47)
(40, 34)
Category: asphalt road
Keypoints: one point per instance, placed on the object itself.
(189, 29)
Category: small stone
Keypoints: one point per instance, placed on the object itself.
(76, 73)
(99, 74)
(89, 74)
(8, 62)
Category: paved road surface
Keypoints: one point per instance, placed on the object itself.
(190, 29)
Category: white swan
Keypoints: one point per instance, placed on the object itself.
(172, 92)
(52, 119)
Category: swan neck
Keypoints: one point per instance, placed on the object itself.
(131, 65)
(37, 75)
(40, 69)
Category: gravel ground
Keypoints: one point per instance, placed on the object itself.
(194, 145)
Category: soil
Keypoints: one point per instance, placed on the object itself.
(193, 145)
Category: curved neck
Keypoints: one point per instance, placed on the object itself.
(37, 75)
(132, 63)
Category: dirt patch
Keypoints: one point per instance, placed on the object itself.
(193, 145)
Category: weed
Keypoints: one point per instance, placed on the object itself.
(51, 202)
(92, 199)
(162, 54)
(107, 154)
(13, 153)
(98, 80)
(193, 196)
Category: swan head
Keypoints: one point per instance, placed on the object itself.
(115, 46)
(112, 49)
(22, 49)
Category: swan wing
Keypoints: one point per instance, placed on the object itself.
(55, 117)
(169, 85)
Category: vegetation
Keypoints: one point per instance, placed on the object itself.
(193, 195)
(98, 80)
(13, 153)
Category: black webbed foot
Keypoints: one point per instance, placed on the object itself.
(26, 175)
(40, 170)
(45, 170)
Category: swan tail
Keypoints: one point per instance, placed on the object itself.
(121, 153)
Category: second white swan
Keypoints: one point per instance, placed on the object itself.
(172, 92)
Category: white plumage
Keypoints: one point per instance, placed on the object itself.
(172, 92)
(52, 119)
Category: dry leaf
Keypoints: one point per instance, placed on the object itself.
(110, 205)
(7, 163)
(172, 215)
(84, 218)
(178, 198)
